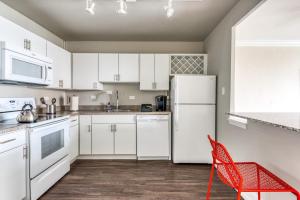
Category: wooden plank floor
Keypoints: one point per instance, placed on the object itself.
(131, 180)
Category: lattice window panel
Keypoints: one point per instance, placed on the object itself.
(188, 64)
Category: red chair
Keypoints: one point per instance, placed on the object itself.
(244, 176)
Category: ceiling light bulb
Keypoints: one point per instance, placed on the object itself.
(123, 7)
(169, 8)
(90, 6)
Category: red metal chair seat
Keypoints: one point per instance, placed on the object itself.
(244, 176)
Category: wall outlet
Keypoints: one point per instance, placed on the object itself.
(223, 92)
(93, 97)
(131, 97)
(109, 92)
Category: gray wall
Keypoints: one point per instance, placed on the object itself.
(134, 47)
(275, 148)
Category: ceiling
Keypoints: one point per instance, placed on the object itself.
(145, 21)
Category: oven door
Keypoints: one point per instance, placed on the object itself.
(22, 68)
(48, 144)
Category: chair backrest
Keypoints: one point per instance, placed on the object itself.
(226, 168)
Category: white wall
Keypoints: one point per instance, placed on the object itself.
(267, 79)
(275, 148)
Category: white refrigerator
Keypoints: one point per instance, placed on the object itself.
(193, 104)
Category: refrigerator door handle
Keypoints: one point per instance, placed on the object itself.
(176, 118)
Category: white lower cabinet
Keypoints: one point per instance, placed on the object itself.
(85, 135)
(74, 138)
(103, 139)
(125, 139)
(13, 166)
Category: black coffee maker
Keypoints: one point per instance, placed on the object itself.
(161, 103)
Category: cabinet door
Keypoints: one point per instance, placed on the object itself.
(129, 68)
(61, 66)
(147, 71)
(74, 141)
(125, 139)
(85, 71)
(85, 134)
(103, 139)
(108, 67)
(12, 34)
(13, 174)
(162, 71)
(37, 44)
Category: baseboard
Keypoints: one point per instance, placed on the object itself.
(107, 157)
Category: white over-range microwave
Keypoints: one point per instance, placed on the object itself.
(24, 67)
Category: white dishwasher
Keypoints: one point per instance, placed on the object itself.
(153, 137)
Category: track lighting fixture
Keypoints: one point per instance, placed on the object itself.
(90, 6)
(169, 9)
(123, 7)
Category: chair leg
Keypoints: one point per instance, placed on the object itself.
(211, 177)
(238, 196)
(258, 195)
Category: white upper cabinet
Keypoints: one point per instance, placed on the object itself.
(119, 68)
(18, 38)
(108, 67)
(61, 66)
(85, 71)
(154, 72)
(129, 68)
(162, 71)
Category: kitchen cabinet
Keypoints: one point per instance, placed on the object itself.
(103, 139)
(154, 72)
(61, 66)
(85, 71)
(85, 134)
(13, 166)
(123, 68)
(108, 67)
(125, 139)
(19, 39)
(153, 137)
(129, 68)
(114, 134)
(74, 138)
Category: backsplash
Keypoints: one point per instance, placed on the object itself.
(129, 94)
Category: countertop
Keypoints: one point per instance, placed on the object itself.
(98, 112)
(289, 121)
(7, 128)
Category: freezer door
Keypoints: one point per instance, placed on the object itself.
(192, 124)
(189, 89)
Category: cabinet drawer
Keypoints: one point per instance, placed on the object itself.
(73, 121)
(114, 119)
(12, 140)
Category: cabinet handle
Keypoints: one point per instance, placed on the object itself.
(154, 85)
(89, 128)
(115, 128)
(25, 152)
(29, 44)
(61, 83)
(7, 141)
(118, 77)
(24, 43)
(111, 128)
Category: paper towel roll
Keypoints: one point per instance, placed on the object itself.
(74, 103)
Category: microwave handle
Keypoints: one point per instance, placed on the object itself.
(46, 72)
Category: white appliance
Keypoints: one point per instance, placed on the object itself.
(153, 137)
(193, 99)
(24, 66)
(48, 140)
